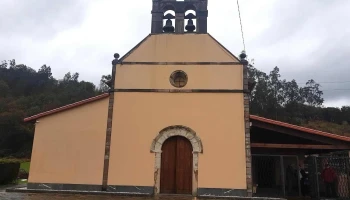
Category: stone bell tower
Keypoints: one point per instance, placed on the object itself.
(160, 7)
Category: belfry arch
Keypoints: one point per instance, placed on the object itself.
(156, 148)
(200, 7)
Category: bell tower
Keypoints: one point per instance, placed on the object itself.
(159, 15)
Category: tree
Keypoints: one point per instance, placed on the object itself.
(286, 101)
(71, 78)
(312, 94)
(25, 92)
(105, 83)
(346, 113)
(4, 89)
(45, 71)
(3, 64)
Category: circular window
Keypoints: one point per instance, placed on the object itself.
(178, 79)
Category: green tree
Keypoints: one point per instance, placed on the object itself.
(25, 92)
(4, 89)
(105, 83)
(312, 93)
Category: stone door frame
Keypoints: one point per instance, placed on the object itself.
(156, 148)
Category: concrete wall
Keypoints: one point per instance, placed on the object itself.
(180, 48)
(199, 76)
(216, 118)
(69, 146)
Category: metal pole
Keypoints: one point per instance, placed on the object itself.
(282, 177)
(348, 172)
(317, 181)
(299, 178)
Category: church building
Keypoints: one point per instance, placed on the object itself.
(175, 120)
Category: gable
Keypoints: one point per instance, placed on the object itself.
(179, 48)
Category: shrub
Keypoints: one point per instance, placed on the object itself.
(8, 172)
(9, 169)
(23, 174)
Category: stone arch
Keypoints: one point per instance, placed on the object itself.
(191, 7)
(168, 6)
(177, 131)
(156, 148)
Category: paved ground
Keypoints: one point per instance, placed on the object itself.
(28, 196)
(21, 196)
(4, 187)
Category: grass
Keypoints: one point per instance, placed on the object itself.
(12, 160)
(25, 166)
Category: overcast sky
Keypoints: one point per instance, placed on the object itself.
(304, 38)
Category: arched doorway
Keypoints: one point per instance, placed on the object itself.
(157, 148)
(177, 165)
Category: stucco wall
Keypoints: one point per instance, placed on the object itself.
(199, 76)
(180, 48)
(216, 118)
(69, 146)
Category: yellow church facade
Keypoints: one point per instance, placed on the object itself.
(176, 121)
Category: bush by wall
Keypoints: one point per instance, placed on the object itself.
(9, 169)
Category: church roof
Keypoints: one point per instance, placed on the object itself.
(66, 107)
(300, 128)
(252, 117)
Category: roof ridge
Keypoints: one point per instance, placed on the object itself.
(301, 128)
(224, 48)
(66, 107)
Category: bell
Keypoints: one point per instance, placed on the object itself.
(168, 28)
(190, 27)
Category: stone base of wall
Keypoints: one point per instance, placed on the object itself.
(93, 188)
(217, 192)
(76, 192)
(55, 186)
(131, 189)
(135, 191)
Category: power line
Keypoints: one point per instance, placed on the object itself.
(328, 82)
(240, 20)
(336, 89)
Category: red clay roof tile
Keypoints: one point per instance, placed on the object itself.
(69, 106)
(300, 128)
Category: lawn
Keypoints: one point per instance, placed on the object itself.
(25, 166)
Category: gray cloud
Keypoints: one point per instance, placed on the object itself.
(305, 39)
(39, 19)
(308, 40)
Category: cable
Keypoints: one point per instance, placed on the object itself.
(240, 20)
(336, 89)
(329, 82)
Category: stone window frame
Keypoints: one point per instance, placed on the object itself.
(174, 75)
(156, 148)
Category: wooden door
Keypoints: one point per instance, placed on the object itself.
(184, 163)
(168, 167)
(176, 166)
